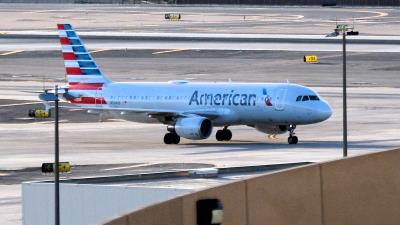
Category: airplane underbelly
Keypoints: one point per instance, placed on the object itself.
(139, 118)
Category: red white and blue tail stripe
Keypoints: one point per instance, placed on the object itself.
(79, 64)
(83, 74)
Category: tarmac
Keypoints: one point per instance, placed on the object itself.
(115, 147)
(200, 19)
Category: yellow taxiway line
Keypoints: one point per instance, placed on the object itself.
(127, 167)
(12, 52)
(99, 50)
(168, 51)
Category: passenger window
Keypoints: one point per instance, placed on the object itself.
(298, 98)
(314, 98)
(305, 98)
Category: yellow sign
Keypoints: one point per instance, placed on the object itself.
(40, 113)
(310, 58)
(63, 167)
(172, 16)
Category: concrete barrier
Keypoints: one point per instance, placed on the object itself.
(291, 197)
(361, 190)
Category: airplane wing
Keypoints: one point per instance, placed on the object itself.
(160, 114)
(163, 115)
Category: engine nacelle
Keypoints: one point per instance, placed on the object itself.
(272, 129)
(195, 128)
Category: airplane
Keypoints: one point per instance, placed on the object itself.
(188, 109)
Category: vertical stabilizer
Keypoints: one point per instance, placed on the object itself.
(82, 71)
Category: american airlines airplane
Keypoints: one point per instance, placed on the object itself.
(189, 110)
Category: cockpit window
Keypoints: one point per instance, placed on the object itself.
(304, 98)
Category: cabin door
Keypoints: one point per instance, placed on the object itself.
(280, 98)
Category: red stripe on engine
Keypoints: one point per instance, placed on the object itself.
(73, 71)
(64, 41)
(69, 56)
(87, 86)
(87, 100)
(60, 26)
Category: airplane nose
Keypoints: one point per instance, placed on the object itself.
(325, 111)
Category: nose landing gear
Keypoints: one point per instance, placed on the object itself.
(224, 134)
(292, 139)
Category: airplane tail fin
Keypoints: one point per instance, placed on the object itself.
(82, 71)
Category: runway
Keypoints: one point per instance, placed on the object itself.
(29, 64)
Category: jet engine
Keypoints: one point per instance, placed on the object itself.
(272, 129)
(195, 128)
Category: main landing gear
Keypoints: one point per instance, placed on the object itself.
(292, 139)
(224, 134)
(171, 138)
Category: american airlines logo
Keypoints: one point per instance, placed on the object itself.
(223, 99)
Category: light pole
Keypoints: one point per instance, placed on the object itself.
(57, 162)
(48, 97)
(344, 29)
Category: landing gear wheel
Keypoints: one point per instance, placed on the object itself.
(228, 135)
(219, 135)
(223, 135)
(171, 138)
(176, 139)
(293, 140)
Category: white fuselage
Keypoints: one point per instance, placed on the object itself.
(236, 103)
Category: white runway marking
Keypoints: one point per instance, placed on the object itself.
(18, 104)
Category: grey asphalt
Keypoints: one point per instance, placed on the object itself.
(364, 69)
(373, 112)
(208, 19)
